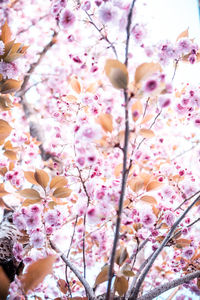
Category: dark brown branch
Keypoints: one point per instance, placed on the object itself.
(84, 282)
(187, 199)
(129, 21)
(169, 285)
(121, 200)
(125, 170)
(157, 252)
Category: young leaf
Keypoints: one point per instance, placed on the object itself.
(126, 270)
(153, 185)
(149, 199)
(36, 272)
(4, 286)
(102, 276)
(12, 155)
(41, 177)
(2, 190)
(136, 184)
(76, 85)
(146, 133)
(121, 256)
(62, 286)
(145, 70)
(5, 129)
(183, 34)
(106, 122)
(121, 285)
(58, 181)
(10, 86)
(5, 33)
(62, 192)
(30, 193)
(117, 73)
(30, 177)
(28, 202)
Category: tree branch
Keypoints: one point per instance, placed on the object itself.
(84, 282)
(169, 285)
(125, 171)
(129, 21)
(34, 65)
(104, 37)
(157, 252)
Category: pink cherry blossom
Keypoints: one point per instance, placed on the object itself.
(67, 19)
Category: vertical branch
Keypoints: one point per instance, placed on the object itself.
(84, 220)
(66, 275)
(125, 170)
(121, 200)
(128, 31)
(157, 252)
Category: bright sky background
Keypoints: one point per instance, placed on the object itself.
(166, 19)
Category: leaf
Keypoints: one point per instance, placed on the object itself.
(91, 88)
(106, 122)
(75, 85)
(149, 199)
(121, 285)
(153, 185)
(58, 181)
(5, 129)
(12, 155)
(117, 73)
(183, 34)
(136, 109)
(63, 286)
(5, 103)
(198, 282)
(147, 118)
(13, 56)
(30, 177)
(36, 272)
(5, 33)
(118, 170)
(121, 256)
(30, 193)
(102, 276)
(62, 192)
(136, 184)
(145, 70)
(28, 202)
(41, 177)
(126, 270)
(146, 133)
(52, 204)
(10, 86)
(181, 243)
(4, 286)
(2, 190)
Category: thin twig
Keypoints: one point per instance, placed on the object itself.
(187, 199)
(34, 65)
(169, 285)
(157, 252)
(129, 21)
(84, 220)
(104, 37)
(175, 68)
(84, 282)
(70, 246)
